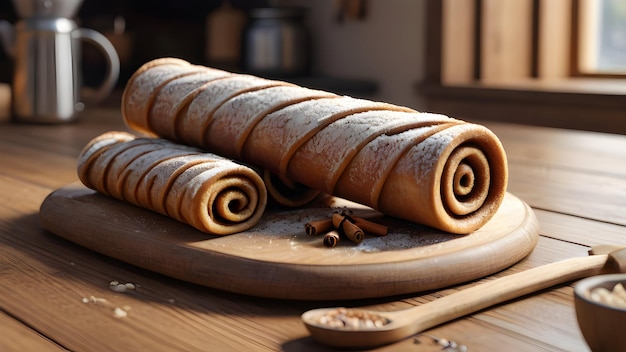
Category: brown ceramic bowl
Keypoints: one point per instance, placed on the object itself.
(601, 324)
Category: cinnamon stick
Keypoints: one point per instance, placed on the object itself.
(341, 224)
(369, 226)
(331, 238)
(352, 232)
(338, 220)
(316, 227)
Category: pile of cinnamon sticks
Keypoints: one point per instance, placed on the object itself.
(343, 225)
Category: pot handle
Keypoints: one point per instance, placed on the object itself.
(113, 64)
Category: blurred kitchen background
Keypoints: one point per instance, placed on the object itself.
(430, 55)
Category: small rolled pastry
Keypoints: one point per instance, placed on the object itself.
(426, 168)
(211, 193)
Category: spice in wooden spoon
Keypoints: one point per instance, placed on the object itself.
(359, 327)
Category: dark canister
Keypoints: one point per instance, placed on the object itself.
(276, 42)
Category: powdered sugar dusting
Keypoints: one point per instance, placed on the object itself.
(378, 158)
(333, 147)
(163, 113)
(308, 122)
(132, 169)
(288, 227)
(233, 121)
(141, 90)
(271, 131)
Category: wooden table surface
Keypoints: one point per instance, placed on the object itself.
(55, 295)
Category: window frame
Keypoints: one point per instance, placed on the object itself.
(580, 40)
(564, 100)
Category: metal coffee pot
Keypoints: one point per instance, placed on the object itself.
(45, 45)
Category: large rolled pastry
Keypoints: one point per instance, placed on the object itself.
(206, 191)
(426, 168)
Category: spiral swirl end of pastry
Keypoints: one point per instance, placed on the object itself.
(234, 203)
(473, 181)
(462, 182)
(436, 171)
(208, 192)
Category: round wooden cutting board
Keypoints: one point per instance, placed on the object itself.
(277, 259)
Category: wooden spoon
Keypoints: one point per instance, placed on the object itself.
(404, 323)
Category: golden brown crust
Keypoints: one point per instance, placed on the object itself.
(427, 168)
(213, 194)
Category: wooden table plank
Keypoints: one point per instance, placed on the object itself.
(580, 230)
(44, 279)
(19, 337)
(587, 151)
(591, 196)
(72, 274)
(552, 310)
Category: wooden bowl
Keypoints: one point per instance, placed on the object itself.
(601, 324)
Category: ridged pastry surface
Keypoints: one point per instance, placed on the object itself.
(426, 168)
(206, 191)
